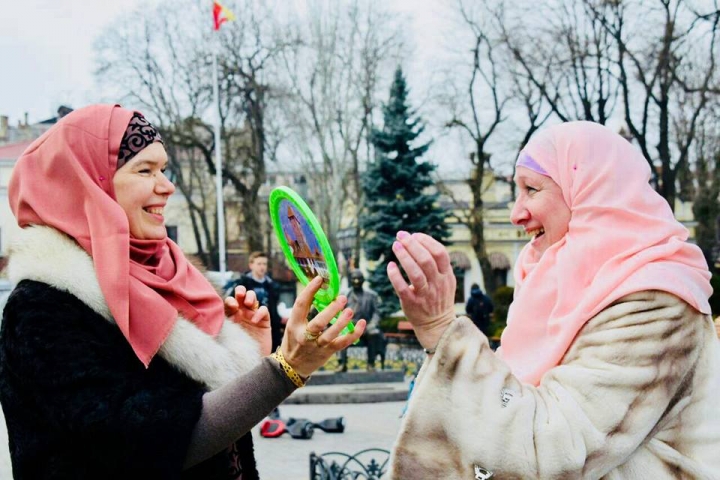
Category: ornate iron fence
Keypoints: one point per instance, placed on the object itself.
(368, 464)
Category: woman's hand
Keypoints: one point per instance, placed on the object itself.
(429, 302)
(245, 310)
(307, 346)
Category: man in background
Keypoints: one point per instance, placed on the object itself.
(479, 307)
(364, 304)
(266, 291)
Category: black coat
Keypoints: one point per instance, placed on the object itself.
(479, 307)
(79, 404)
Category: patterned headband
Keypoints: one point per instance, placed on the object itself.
(139, 134)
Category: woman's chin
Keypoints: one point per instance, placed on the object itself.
(539, 245)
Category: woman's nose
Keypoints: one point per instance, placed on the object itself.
(164, 185)
(519, 213)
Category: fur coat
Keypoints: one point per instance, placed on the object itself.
(635, 397)
(77, 401)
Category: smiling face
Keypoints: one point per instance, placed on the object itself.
(540, 209)
(259, 267)
(142, 190)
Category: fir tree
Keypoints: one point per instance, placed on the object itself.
(706, 208)
(395, 187)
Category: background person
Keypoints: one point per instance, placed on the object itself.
(117, 358)
(364, 304)
(266, 291)
(609, 365)
(479, 307)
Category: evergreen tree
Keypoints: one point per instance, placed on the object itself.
(706, 208)
(395, 187)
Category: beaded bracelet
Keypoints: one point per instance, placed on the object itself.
(289, 371)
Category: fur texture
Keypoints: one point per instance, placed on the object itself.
(45, 255)
(635, 397)
(78, 403)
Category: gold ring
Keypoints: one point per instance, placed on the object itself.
(256, 305)
(310, 336)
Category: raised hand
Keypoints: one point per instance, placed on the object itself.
(245, 310)
(308, 345)
(429, 300)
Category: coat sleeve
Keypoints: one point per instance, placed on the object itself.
(587, 416)
(76, 399)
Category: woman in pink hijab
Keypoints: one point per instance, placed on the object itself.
(118, 359)
(609, 366)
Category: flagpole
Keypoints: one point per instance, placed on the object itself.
(218, 167)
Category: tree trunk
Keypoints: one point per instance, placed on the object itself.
(477, 225)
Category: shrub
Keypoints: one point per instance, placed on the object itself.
(501, 298)
(389, 324)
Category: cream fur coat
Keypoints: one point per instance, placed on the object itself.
(46, 255)
(637, 396)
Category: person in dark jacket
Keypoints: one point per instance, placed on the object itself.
(118, 360)
(479, 307)
(266, 291)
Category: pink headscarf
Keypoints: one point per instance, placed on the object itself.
(622, 238)
(65, 180)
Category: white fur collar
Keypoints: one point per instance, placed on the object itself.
(46, 255)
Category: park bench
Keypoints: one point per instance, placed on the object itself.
(370, 464)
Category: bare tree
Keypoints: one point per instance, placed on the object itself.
(667, 73)
(190, 176)
(250, 49)
(706, 207)
(568, 58)
(160, 61)
(477, 109)
(536, 112)
(334, 75)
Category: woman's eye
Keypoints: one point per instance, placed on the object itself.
(530, 189)
(144, 170)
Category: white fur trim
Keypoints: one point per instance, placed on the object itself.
(208, 359)
(46, 255)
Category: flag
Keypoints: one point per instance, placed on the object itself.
(221, 15)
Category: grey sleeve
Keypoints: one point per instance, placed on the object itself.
(232, 410)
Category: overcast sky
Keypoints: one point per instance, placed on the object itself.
(46, 53)
(46, 50)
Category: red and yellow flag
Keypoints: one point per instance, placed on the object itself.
(221, 15)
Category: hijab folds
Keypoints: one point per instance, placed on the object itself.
(64, 180)
(622, 238)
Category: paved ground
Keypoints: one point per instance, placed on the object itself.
(368, 425)
(351, 393)
(284, 458)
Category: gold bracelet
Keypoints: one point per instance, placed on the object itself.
(289, 371)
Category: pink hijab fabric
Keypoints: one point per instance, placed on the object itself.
(64, 180)
(622, 238)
